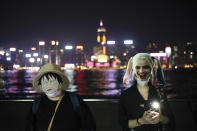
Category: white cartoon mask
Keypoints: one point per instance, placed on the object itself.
(51, 86)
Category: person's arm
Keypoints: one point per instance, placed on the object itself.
(164, 119)
(127, 73)
(168, 116)
(30, 121)
(124, 121)
(147, 118)
(122, 115)
(135, 123)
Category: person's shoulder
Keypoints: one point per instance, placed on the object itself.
(40, 97)
(128, 91)
(127, 95)
(72, 95)
(68, 93)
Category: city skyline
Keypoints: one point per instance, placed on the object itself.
(24, 24)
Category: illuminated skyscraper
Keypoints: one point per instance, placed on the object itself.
(79, 55)
(41, 51)
(101, 36)
(54, 53)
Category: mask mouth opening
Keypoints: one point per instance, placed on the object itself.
(48, 90)
(53, 94)
(143, 76)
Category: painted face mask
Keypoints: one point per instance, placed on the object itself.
(51, 86)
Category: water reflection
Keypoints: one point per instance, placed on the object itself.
(182, 83)
(17, 84)
(94, 83)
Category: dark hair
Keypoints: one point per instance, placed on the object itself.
(51, 74)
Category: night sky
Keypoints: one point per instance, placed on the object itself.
(24, 23)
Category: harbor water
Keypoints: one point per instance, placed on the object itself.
(102, 83)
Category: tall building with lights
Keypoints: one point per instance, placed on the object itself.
(54, 53)
(79, 55)
(101, 37)
(99, 58)
(41, 51)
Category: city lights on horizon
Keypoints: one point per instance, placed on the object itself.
(52, 42)
(35, 54)
(158, 54)
(68, 47)
(61, 50)
(16, 66)
(105, 52)
(41, 43)
(31, 60)
(46, 56)
(7, 54)
(168, 50)
(8, 58)
(33, 48)
(79, 47)
(38, 59)
(128, 42)
(27, 55)
(20, 51)
(2, 52)
(12, 49)
(69, 66)
(56, 54)
(111, 42)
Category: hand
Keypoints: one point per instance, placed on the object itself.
(150, 117)
(126, 80)
(154, 117)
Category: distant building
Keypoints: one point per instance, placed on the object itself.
(101, 37)
(99, 57)
(185, 54)
(54, 53)
(67, 55)
(79, 55)
(182, 54)
(42, 52)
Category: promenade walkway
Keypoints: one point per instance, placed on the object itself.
(13, 113)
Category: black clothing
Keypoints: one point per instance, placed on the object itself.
(132, 106)
(66, 118)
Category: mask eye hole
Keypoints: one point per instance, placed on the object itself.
(146, 67)
(137, 67)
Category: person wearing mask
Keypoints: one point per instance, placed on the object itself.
(144, 106)
(57, 109)
(158, 70)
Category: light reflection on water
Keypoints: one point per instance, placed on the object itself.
(95, 83)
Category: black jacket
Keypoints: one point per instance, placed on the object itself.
(66, 118)
(132, 106)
